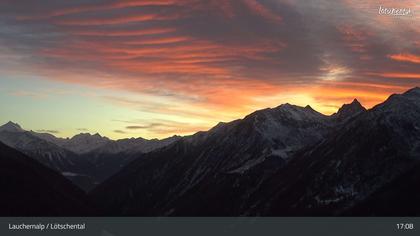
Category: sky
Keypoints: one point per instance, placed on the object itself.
(155, 68)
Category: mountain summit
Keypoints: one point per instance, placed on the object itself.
(348, 110)
(11, 127)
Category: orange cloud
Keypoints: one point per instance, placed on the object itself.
(397, 75)
(159, 55)
(151, 31)
(380, 86)
(102, 7)
(159, 41)
(115, 20)
(406, 57)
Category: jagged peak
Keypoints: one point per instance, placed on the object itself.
(355, 101)
(97, 135)
(10, 123)
(88, 135)
(349, 109)
(309, 108)
(11, 127)
(354, 104)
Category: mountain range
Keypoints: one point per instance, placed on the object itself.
(85, 159)
(282, 161)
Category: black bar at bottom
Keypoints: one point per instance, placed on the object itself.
(218, 226)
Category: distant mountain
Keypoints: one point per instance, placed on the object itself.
(66, 162)
(111, 157)
(31, 189)
(85, 159)
(48, 153)
(133, 145)
(80, 143)
(283, 161)
(85, 143)
(106, 157)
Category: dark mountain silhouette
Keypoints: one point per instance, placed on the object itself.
(263, 140)
(351, 165)
(31, 189)
(284, 161)
(348, 111)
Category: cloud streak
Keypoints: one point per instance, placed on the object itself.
(48, 131)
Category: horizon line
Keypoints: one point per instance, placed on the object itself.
(303, 107)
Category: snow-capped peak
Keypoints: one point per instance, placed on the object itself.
(11, 127)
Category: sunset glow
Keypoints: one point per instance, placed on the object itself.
(152, 69)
